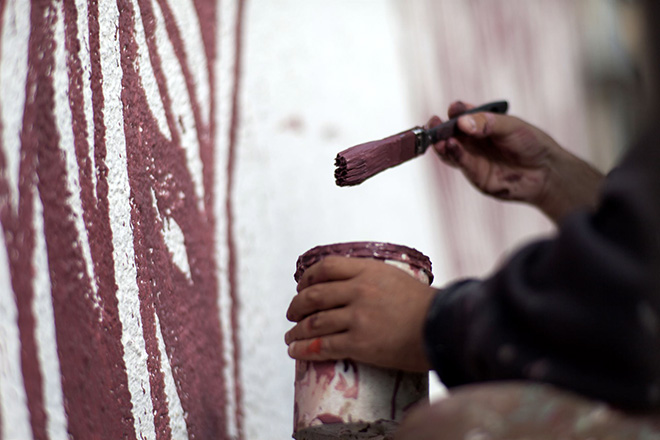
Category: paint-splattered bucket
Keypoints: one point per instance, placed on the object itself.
(346, 399)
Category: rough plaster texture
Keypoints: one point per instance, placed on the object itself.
(110, 319)
(154, 199)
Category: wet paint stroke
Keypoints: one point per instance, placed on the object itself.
(117, 159)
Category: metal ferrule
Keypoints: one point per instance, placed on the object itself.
(422, 140)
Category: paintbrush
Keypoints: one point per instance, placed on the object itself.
(358, 163)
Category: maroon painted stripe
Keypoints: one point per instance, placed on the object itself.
(207, 14)
(187, 309)
(77, 107)
(149, 23)
(20, 236)
(94, 379)
(203, 134)
(171, 156)
(4, 208)
(231, 240)
(134, 105)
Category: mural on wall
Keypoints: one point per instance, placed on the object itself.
(115, 321)
(134, 206)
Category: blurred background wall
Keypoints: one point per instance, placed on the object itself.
(163, 163)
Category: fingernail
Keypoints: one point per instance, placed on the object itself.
(435, 120)
(290, 349)
(471, 123)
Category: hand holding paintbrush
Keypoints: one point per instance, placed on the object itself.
(358, 163)
(501, 155)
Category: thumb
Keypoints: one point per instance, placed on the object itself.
(486, 124)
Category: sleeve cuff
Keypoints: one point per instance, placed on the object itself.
(445, 330)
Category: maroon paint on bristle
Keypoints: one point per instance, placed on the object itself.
(358, 163)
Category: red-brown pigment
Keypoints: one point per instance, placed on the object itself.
(94, 378)
(358, 163)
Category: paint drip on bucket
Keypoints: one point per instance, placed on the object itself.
(345, 399)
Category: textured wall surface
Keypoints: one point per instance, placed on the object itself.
(110, 320)
(164, 162)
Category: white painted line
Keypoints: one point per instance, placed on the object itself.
(181, 105)
(86, 66)
(13, 400)
(42, 308)
(190, 29)
(147, 77)
(13, 74)
(132, 338)
(64, 120)
(174, 408)
(174, 240)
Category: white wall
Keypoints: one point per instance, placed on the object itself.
(318, 77)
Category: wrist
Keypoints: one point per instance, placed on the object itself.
(571, 184)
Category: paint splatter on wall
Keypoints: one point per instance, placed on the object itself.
(110, 320)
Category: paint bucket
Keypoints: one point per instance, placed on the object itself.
(345, 399)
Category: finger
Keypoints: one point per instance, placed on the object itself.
(450, 151)
(478, 169)
(331, 347)
(324, 296)
(433, 122)
(487, 124)
(439, 147)
(319, 324)
(475, 167)
(331, 268)
(441, 150)
(457, 108)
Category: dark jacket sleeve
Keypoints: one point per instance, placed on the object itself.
(580, 310)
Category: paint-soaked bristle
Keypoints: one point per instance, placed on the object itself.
(358, 163)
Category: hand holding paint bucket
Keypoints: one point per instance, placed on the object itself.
(346, 399)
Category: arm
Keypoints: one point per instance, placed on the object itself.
(581, 311)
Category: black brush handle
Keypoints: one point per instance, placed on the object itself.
(448, 129)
